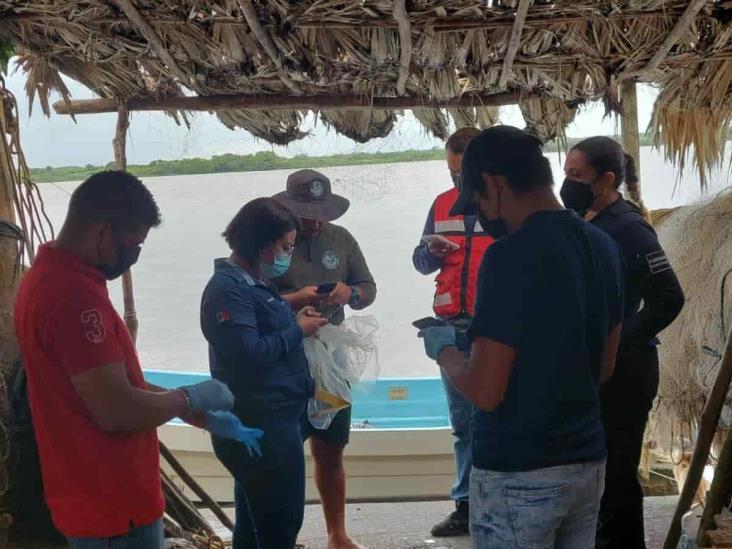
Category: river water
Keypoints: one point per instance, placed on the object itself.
(389, 204)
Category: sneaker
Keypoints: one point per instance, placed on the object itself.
(456, 524)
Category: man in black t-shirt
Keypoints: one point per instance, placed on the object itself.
(544, 336)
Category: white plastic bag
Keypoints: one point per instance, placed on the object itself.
(340, 357)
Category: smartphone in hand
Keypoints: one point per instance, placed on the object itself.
(440, 240)
(326, 288)
(427, 322)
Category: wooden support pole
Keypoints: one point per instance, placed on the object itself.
(514, 42)
(405, 43)
(120, 158)
(717, 492)
(629, 129)
(195, 487)
(707, 427)
(287, 102)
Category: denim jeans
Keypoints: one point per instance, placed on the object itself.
(461, 411)
(140, 537)
(552, 508)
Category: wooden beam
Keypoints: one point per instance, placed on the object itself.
(707, 427)
(629, 130)
(267, 44)
(681, 26)
(405, 43)
(153, 39)
(514, 43)
(441, 25)
(286, 102)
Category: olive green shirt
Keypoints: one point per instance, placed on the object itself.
(332, 256)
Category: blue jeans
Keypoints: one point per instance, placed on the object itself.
(553, 508)
(461, 412)
(141, 537)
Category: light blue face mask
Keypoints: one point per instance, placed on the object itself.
(278, 268)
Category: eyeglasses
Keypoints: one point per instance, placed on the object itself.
(287, 249)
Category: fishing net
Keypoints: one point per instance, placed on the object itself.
(341, 358)
(698, 242)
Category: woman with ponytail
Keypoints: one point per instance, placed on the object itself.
(595, 169)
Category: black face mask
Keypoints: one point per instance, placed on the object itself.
(495, 228)
(576, 195)
(457, 180)
(127, 256)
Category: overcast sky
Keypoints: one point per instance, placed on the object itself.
(59, 141)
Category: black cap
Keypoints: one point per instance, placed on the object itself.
(500, 150)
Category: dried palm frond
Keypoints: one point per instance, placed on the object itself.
(573, 51)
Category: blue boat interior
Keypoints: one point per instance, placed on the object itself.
(389, 403)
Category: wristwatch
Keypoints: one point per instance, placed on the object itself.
(355, 297)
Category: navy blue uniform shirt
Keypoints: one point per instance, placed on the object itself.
(650, 279)
(255, 346)
(553, 291)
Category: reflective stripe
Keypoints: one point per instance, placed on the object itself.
(478, 227)
(441, 300)
(449, 225)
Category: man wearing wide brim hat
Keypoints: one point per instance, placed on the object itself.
(325, 255)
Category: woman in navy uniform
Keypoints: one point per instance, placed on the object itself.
(255, 347)
(595, 168)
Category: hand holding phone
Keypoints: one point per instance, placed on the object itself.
(326, 288)
(439, 246)
(428, 322)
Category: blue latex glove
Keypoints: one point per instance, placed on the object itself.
(227, 425)
(436, 338)
(209, 395)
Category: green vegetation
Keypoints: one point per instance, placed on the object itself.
(261, 161)
(6, 52)
(226, 163)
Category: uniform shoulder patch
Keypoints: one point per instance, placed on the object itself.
(658, 262)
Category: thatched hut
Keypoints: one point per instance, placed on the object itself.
(262, 66)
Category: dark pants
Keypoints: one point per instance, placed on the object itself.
(626, 400)
(269, 491)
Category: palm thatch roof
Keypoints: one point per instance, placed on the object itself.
(454, 59)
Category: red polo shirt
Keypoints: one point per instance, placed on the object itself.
(96, 483)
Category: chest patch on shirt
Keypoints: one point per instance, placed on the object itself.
(330, 260)
(222, 316)
(658, 262)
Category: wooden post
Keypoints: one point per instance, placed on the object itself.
(120, 158)
(629, 129)
(707, 427)
(717, 492)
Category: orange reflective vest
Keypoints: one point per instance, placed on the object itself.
(455, 293)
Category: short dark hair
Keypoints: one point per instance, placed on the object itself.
(459, 140)
(115, 197)
(604, 155)
(510, 152)
(259, 224)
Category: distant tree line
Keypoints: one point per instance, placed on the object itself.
(261, 161)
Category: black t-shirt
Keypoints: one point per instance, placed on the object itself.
(552, 290)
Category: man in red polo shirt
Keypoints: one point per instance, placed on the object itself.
(93, 413)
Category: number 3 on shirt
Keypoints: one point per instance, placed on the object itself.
(93, 320)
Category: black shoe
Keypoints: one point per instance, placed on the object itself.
(456, 524)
